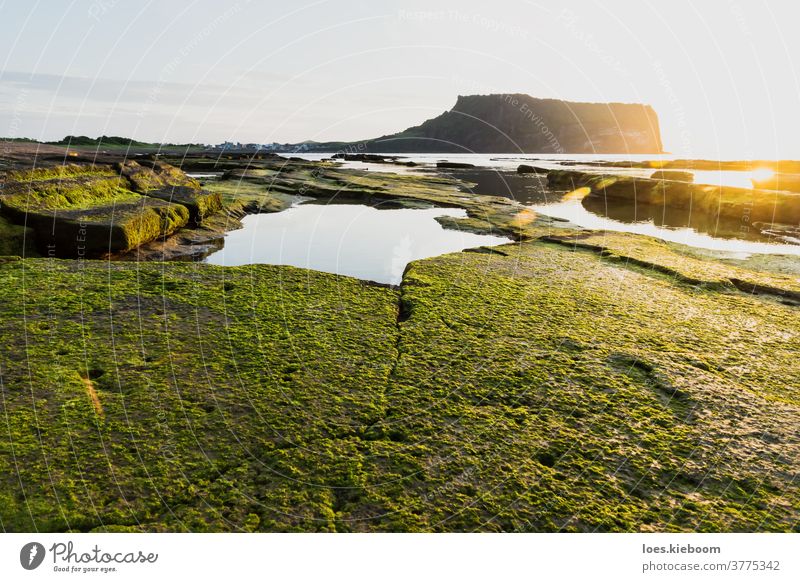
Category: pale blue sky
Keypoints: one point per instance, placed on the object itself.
(721, 75)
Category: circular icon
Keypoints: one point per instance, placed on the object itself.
(31, 555)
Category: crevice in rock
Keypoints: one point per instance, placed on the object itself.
(487, 251)
(789, 297)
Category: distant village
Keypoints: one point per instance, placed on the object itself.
(261, 147)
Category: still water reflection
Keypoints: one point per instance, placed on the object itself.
(347, 239)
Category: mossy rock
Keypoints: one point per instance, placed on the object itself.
(743, 204)
(165, 182)
(154, 175)
(60, 172)
(79, 211)
(200, 203)
(29, 193)
(95, 231)
(673, 175)
(540, 388)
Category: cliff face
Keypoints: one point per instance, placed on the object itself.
(517, 123)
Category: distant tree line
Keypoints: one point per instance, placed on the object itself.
(112, 140)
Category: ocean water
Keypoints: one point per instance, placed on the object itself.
(510, 162)
(495, 174)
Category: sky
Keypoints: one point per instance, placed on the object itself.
(721, 74)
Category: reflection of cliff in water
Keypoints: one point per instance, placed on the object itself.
(524, 188)
(669, 217)
(533, 190)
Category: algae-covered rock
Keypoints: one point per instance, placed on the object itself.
(152, 175)
(673, 175)
(85, 211)
(160, 180)
(779, 181)
(534, 387)
(744, 204)
(526, 169)
(200, 203)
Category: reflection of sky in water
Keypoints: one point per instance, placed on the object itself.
(574, 211)
(346, 239)
(739, 179)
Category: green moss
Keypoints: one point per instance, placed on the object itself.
(683, 263)
(160, 180)
(62, 172)
(58, 194)
(155, 175)
(209, 375)
(557, 390)
(577, 382)
(245, 195)
(538, 388)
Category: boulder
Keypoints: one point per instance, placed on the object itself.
(526, 169)
(454, 165)
(85, 211)
(160, 180)
(149, 175)
(676, 175)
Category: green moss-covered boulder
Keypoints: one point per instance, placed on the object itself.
(161, 180)
(79, 211)
(154, 175)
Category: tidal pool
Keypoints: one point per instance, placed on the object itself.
(347, 239)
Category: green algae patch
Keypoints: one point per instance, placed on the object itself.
(225, 394)
(200, 203)
(76, 192)
(154, 175)
(531, 387)
(60, 172)
(552, 390)
(247, 196)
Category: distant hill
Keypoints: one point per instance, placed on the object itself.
(518, 123)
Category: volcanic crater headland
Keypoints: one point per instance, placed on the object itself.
(519, 123)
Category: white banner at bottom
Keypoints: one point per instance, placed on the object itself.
(355, 557)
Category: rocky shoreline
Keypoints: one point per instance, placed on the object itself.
(570, 380)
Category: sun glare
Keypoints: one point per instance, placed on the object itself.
(762, 174)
